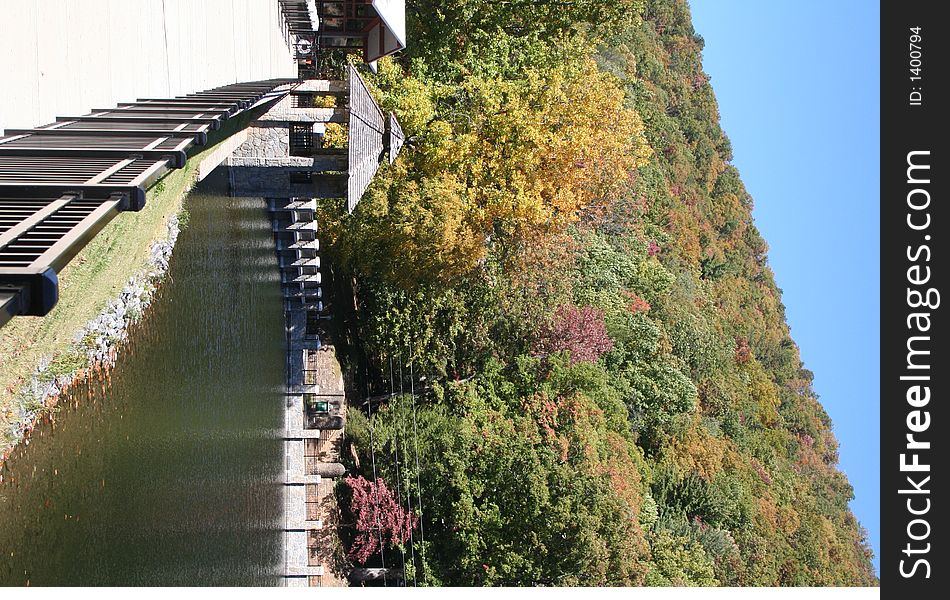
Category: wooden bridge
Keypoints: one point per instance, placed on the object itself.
(61, 183)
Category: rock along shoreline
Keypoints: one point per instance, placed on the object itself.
(94, 348)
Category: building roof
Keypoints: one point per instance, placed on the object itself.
(389, 35)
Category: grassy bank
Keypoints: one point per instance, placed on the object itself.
(95, 277)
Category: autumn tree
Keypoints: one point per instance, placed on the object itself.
(498, 165)
(580, 331)
(380, 520)
(459, 35)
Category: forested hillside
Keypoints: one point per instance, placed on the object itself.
(562, 275)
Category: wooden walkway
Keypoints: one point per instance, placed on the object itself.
(62, 182)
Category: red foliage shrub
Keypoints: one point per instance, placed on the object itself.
(637, 304)
(743, 352)
(761, 472)
(379, 518)
(653, 249)
(580, 331)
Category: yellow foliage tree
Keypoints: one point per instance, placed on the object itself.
(496, 164)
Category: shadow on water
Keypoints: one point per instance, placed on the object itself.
(167, 472)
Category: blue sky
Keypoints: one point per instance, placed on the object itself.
(798, 90)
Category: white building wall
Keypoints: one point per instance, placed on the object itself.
(66, 57)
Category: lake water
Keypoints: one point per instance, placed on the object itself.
(168, 473)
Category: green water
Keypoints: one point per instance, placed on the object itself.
(167, 473)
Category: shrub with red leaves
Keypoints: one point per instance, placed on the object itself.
(761, 472)
(378, 516)
(580, 331)
(743, 352)
(637, 304)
